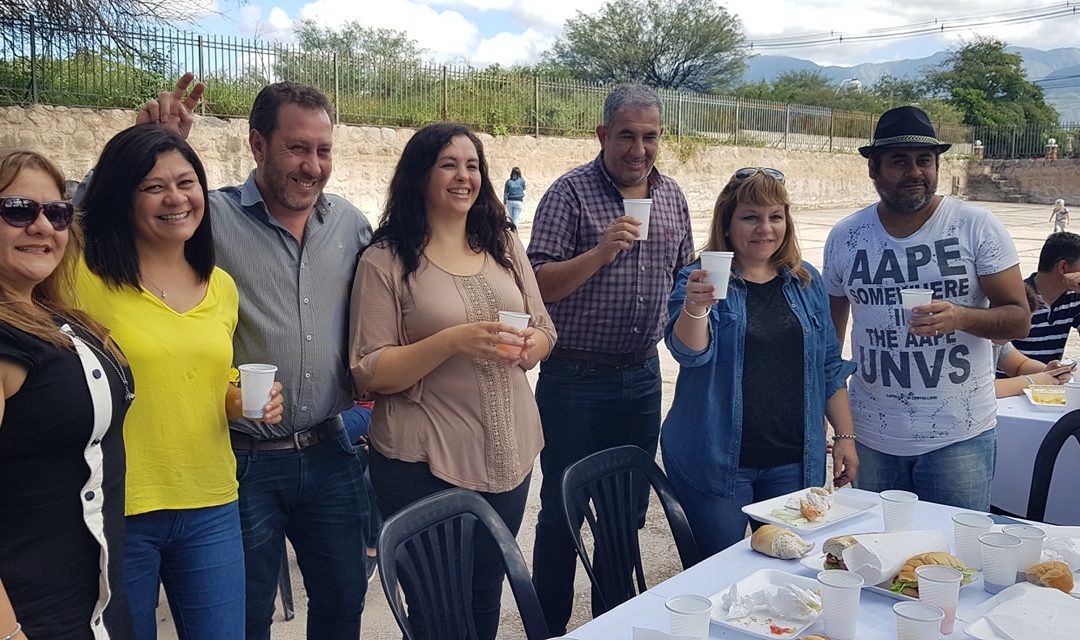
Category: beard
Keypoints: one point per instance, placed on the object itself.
(897, 202)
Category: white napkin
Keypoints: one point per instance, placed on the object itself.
(1062, 544)
(653, 634)
(878, 557)
(1045, 614)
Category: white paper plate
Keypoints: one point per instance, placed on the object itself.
(1042, 406)
(816, 563)
(845, 506)
(760, 624)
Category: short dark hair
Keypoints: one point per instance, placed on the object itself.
(1059, 246)
(264, 111)
(109, 205)
(403, 225)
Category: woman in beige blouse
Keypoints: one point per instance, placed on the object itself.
(453, 406)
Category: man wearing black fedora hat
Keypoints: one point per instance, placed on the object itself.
(923, 398)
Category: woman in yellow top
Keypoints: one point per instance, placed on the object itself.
(149, 277)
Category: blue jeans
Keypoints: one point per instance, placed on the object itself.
(316, 497)
(199, 556)
(584, 408)
(958, 475)
(513, 208)
(718, 522)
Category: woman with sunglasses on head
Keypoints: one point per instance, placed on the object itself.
(760, 369)
(66, 388)
(149, 276)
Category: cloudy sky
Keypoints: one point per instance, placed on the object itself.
(517, 31)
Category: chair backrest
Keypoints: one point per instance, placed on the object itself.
(1067, 425)
(607, 489)
(428, 548)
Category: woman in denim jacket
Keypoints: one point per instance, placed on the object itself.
(760, 369)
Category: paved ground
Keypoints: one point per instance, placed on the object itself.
(1026, 223)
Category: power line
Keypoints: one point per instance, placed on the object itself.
(1046, 12)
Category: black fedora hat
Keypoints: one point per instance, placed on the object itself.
(904, 127)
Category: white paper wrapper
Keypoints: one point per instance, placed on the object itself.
(1062, 544)
(788, 601)
(1024, 612)
(878, 557)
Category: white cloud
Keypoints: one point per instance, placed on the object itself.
(509, 49)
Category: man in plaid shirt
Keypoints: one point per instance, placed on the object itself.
(606, 290)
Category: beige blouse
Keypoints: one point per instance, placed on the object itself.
(474, 421)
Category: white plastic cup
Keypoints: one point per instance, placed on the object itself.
(1031, 544)
(917, 620)
(717, 264)
(1000, 552)
(911, 298)
(840, 591)
(256, 380)
(517, 320)
(689, 615)
(639, 209)
(940, 586)
(898, 508)
(1072, 395)
(967, 527)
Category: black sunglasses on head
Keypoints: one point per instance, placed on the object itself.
(22, 212)
(750, 172)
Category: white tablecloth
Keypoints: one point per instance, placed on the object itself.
(876, 619)
(1020, 430)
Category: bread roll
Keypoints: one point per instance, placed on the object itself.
(834, 551)
(813, 637)
(778, 542)
(1056, 575)
(809, 511)
(907, 583)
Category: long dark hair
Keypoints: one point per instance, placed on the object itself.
(109, 205)
(404, 226)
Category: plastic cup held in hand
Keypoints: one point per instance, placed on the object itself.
(911, 298)
(1031, 544)
(717, 265)
(898, 508)
(689, 615)
(917, 620)
(966, 530)
(517, 320)
(940, 586)
(840, 591)
(639, 209)
(256, 380)
(1000, 553)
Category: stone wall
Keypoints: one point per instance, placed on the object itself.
(364, 158)
(1037, 180)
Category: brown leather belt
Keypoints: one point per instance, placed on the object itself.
(299, 440)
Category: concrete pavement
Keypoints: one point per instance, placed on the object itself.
(1026, 223)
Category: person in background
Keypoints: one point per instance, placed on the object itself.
(149, 276)
(760, 370)
(65, 390)
(606, 291)
(1060, 216)
(514, 195)
(357, 421)
(453, 407)
(292, 249)
(1017, 372)
(1056, 282)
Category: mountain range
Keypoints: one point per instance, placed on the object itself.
(1063, 64)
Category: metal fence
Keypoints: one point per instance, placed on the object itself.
(1029, 141)
(43, 64)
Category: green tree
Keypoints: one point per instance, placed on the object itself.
(897, 91)
(672, 44)
(362, 44)
(987, 84)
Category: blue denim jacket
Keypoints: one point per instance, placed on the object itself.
(702, 433)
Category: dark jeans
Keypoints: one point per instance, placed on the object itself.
(584, 408)
(399, 484)
(316, 497)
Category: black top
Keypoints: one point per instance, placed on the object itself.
(53, 510)
(772, 384)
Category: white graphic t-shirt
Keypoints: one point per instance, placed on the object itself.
(913, 394)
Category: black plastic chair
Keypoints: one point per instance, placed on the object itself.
(1066, 426)
(427, 548)
(605, 489)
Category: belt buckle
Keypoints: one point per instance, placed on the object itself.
(296, 440)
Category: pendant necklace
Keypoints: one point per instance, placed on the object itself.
(103, 354)
(155, 285)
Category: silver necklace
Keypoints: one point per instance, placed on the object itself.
(104, 355)
(163, 293)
